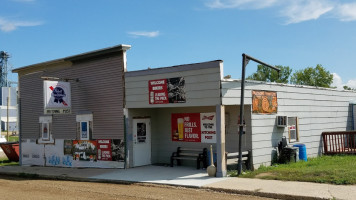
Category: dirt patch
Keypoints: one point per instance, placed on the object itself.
(266, 174)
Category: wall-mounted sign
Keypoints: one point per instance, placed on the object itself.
(57, 97)
(84, 150)
(164, 91)
(264, 102)
(194, 127)
(104, 150)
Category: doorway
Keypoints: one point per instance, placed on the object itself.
(141, 142)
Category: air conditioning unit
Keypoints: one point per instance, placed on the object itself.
(282, 121)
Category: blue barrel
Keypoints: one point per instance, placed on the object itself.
(302, 151)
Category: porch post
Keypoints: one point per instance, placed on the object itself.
(220, 141)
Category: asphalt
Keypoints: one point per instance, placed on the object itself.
(189, 177)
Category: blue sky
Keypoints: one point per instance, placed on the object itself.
(294, 33)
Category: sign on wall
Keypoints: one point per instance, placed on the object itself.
(104, 150)
(57, 97)
(194, 127)
(164, 91)
(84, 150)
(264, 102)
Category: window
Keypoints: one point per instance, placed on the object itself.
(45, 132)
(84, 130)
(84, 125)
(293, 129)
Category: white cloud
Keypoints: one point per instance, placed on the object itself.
(295, 11)
(351, 83)
(346, 12)
(144, 33)
(10, 25)
(304, 10)
(251, 4)
(337, 81)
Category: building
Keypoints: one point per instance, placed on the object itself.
(116, 118)
(9, 113)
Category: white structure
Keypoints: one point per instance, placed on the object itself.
(8, 109)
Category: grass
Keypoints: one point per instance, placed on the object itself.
(13, 138)
(339, 170)
(7, 162)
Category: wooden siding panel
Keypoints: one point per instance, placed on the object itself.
(99, 90)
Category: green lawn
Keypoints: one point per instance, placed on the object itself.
(6, 162)
(13, 138)
(340, 170)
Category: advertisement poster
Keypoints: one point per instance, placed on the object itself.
(68, 147)
(158, 93)
(84, 150)
(264, 102)
(186, 127)
(118, 150)
(57, 97)
(164, 91)
(208, 127)
(104, 150)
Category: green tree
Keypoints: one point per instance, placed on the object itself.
(347, 87)
(317, 76)
(267, 74)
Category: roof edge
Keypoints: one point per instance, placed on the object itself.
(117, 48)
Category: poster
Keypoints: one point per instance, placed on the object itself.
(104, 150)
(186, 127)
(84, 150)
(118, 150)
(194, 127)
(164, 91)
(208, 127)
(68, 147)
(264, 102)
(57, 97)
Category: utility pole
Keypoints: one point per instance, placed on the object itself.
(245, 60)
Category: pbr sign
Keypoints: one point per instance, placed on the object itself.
(57, 97)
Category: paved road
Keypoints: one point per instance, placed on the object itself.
(21, 188)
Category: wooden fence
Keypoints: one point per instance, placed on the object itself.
(343, 142)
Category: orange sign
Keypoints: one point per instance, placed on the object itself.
(264, 102)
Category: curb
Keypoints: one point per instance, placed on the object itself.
(93, 180)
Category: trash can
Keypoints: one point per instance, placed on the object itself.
(289, 154)
(302, 151)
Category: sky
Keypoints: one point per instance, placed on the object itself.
(162, 33)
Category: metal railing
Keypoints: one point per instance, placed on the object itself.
(343, 142)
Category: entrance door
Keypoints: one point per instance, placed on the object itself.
(141, 142)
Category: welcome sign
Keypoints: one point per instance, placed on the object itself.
(57, 97)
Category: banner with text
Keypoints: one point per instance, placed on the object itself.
(194, 127)
(164, 91)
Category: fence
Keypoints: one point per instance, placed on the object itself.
(343, 142)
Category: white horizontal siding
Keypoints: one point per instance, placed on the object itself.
(202, 86)
(317, 109)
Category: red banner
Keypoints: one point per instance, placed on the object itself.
(186, 127)
(104, 150)
(158, 93)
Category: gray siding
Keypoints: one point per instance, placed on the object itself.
(99, 90)
(318, 110)
(162, 144)
(202, 85)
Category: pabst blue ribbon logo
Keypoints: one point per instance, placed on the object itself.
(58, 94)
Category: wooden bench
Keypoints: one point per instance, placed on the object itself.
(246, 158)
(198, 155)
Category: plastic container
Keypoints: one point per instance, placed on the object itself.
(302, 151)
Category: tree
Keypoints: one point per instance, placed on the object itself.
(267, 74)
(317, 76)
